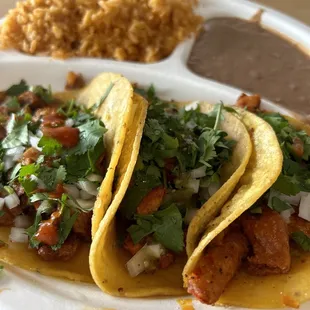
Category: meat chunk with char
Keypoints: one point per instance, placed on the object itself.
(32, 100)
(82, 225)
(65, 253)
(152, 201)
(268, 235)
(251, 103)
(298, 224)
(74, 81)
(217, 267)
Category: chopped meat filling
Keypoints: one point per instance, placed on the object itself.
(251, 103)
(217, 267)
(268, 235)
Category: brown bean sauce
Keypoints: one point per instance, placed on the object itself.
(244, 55)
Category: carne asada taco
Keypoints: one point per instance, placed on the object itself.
(257, 252)
(185, 157)
(58, 160)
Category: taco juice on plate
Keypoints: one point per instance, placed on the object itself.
(256, 253)
(187, 161)
(54, 161)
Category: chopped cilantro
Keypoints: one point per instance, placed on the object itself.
(13, 105)
(294, 177)
(49, 146)
(90, 135)
(17, 137)
(165, 225)
(302, 240)
(67, 222)
(17, 89)
(43, 93)
(278, 205)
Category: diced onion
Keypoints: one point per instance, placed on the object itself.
(72, 190)
(141, 261)
(192, 106)
(1, 203)
(22, 221)
(85, 204)
(94, 177)
(213, 188)
(11, 201)
(304, 207)
(84, 195)
(69, 122)
(292, 200)
(286, 214)
(89, 187)
(193, 184)
(198, 173)
(18, 235)
(40, 183)
(34, 140)
(8, 162)
(190, 214)
(15, 150)
(39, 134)
(156, 250)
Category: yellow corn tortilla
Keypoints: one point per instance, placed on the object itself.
(263, 170)
(116, 114)
(230, 176)
(108, 260)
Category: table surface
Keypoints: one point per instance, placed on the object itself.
(299, 9)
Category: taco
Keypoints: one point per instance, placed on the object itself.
(256, 252)
(180, 161)
(58, 159)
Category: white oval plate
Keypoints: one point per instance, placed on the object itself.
(22, 289)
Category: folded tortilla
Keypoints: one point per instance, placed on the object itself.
(108, 260)
(116, 114)
(263, 170)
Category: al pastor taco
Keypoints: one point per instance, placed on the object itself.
(58, 159)
(256, 252)
(181, 161)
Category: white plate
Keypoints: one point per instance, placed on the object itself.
(22, 289)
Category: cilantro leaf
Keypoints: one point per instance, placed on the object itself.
(66, 224)
(278, 205)
(38, 197)
(17, 89)
(143, 183)
(52, 176)
(49, 146)
(28, 170)
(28, 185)
(13, 105)
(302, 240)
(43, 93)
(2, 213)
(90, 135)
(165, 225)
(18, 136)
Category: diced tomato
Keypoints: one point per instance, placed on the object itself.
(47, 233)
(67, 136)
